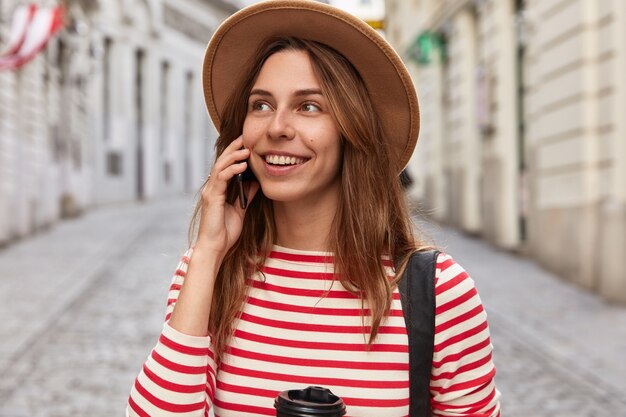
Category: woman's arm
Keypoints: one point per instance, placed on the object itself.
(220, 227)
(462, 381)
(179, 374)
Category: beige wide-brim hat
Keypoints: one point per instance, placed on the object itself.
(386, 78)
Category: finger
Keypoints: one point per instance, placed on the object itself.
(227, 159)
(219, 177)
(223, 177)
(230, 158)
(234, 149)
(235, 144)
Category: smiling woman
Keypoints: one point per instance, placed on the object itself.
(301, 286)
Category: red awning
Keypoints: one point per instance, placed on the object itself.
(31, 29)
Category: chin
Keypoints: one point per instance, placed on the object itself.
(281, 195)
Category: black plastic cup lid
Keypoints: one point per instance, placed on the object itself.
(312, 401)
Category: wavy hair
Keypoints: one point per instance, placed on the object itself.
(372, 220)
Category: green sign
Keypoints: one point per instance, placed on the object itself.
(424, 47)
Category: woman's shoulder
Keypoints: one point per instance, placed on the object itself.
(451, 276)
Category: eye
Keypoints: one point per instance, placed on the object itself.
(310, 107)
(260, 106)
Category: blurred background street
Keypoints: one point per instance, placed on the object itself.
(520, 167)
(82, 305)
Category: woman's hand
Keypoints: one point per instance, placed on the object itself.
(221, 222)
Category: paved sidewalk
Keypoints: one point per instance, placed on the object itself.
(559, 349)
(44, 274)
(83, 303)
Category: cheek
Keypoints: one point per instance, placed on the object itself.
(251, 132)
(331, 151)
(332, 145)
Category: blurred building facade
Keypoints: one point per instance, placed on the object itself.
(112, 110)
(523, 129)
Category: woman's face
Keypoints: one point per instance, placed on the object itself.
(294, 142)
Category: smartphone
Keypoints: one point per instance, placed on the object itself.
(245, 176)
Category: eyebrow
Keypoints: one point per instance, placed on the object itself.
(304, 92)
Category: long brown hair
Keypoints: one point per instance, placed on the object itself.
(372, 220)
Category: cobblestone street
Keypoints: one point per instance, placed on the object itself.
(82, 305)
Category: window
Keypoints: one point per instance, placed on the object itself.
(163, 125)
(114, 163)
(106, 89)
(187, 131)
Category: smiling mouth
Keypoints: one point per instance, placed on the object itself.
(284, 160)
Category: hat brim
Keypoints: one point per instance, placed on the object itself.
(386, 78)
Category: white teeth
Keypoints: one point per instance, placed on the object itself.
(283, 160)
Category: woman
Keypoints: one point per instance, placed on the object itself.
(299, 288)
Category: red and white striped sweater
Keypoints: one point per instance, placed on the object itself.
(300, 328)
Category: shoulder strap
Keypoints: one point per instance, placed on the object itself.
(417, 294)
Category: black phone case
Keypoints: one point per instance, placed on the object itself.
(247, 175)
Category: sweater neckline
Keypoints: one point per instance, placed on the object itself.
(283, 249)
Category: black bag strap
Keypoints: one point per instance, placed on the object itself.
(417, 295)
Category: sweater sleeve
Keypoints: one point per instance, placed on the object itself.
(462, 380)
(178, 378)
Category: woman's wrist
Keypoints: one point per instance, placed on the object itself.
(193, 307)
(204, 264)
(210, 251)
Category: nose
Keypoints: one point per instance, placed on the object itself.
(281, 126)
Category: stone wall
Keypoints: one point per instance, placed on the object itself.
(95, 119)
(523, 131)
